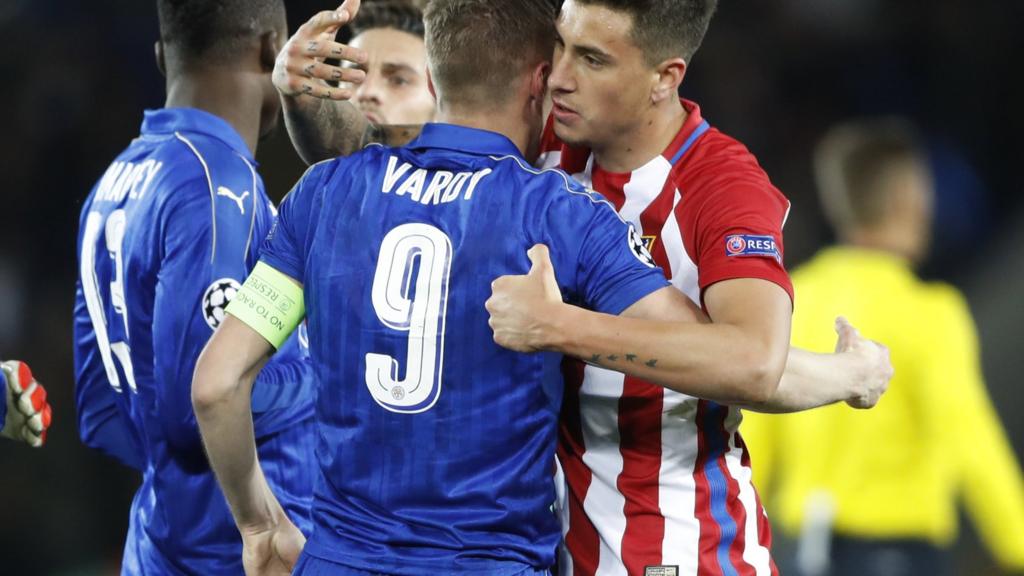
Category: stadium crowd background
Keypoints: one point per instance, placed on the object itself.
(774, 74)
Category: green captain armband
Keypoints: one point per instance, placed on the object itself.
(270, 303)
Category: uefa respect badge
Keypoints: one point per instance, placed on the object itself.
(752, 245)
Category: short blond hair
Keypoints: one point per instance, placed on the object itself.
(852, 163)
(475, 47)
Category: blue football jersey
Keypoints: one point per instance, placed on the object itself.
(436, 446)
(3, 404)
(165, 238)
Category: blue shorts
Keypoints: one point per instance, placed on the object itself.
(310, 565)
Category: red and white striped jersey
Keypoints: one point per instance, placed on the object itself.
(657, 483)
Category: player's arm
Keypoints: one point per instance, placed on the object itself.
(101, 424)
(222, 396)
(263, 314)
(858, 373)
(321, 122)
(24, 413)
(757, 313)
(665, 338)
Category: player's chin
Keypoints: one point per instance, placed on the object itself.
(574, 134)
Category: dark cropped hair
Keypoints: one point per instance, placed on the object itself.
(665, 29)
(215, 29)
(393, 14)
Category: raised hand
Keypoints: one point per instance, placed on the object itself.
(300, 67)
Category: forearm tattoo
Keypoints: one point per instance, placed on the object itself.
(611, 360)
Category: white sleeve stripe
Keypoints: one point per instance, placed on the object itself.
(252, 223)
(568, 185)
(209, 182)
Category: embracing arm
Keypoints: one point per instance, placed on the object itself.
(738, 360)
(321, 122)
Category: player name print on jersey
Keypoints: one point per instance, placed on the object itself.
(443, 187)
(126, 178)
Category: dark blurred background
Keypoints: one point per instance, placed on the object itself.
(773, 73)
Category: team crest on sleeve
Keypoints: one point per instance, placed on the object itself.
(752, 245)
(639, 247)
(216, 300)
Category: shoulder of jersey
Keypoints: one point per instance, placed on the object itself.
(325, 170)
(223, 171)
(547, 178)
(943, 297)
(722, 155)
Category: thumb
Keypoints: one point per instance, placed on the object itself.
(846, 332)
(540, 259)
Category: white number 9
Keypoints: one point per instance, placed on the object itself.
(423, 316)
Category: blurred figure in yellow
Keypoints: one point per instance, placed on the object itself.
(875, 493)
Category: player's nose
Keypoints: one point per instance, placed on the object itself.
(369, 90)
(560, 79)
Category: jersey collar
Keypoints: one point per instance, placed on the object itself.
(171, 120)
(465, 139)
(693, 128)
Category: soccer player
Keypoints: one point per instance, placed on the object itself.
(436, 445)
(25, 414)
(165, 238)
(658, 479)
(393, 84)
(936, 439)
(394, 90)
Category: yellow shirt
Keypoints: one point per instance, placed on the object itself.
(895, 471)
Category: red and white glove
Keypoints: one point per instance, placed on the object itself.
(28, 414)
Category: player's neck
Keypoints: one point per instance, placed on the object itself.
(893, 240)
(224, 95)
(508, 125)
(646, 141)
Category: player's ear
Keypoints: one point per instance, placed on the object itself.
(430, 85)
(158, 50)
(539, 80)
(270, 45)
(670, 75)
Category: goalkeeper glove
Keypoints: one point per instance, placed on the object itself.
(28, 414)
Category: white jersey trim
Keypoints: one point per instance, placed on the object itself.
(209, 182)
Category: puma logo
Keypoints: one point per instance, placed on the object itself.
(223, 191)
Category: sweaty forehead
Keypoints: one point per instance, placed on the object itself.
(596, 25)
